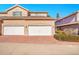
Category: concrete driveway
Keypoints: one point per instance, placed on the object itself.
(38, 49)
(35, 45)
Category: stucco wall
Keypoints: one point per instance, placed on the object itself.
(26, 23)
(10, 13)
(29, 22)
(24, 12)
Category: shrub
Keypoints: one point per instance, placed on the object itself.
(59, 32)
(60, 35)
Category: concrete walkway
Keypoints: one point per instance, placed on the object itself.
(37, 49)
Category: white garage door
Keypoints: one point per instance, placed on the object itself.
(40, 30)
(13, 30)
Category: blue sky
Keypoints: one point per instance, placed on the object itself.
(52, 9)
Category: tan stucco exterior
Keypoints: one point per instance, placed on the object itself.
(10, 13)
(27, 23)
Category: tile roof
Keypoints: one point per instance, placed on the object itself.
(67, 16)
(68, 24)
(26, 18)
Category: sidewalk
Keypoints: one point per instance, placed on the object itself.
(38, 49)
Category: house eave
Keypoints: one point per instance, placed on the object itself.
(67, 24)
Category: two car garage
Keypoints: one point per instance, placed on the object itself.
(32, 30)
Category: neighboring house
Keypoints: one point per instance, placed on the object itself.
(20, 21)
(69, 24)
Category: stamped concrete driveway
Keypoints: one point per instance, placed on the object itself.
(38, 49)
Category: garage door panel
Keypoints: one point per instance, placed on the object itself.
(13, 30)
(40, 30)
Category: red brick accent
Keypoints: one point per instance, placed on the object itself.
(27, 39)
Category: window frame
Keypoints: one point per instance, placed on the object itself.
(17, 13)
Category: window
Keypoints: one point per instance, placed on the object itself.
(33, 14)
(17, 13)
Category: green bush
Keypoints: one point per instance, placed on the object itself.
(60, 35)
(59, 32)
